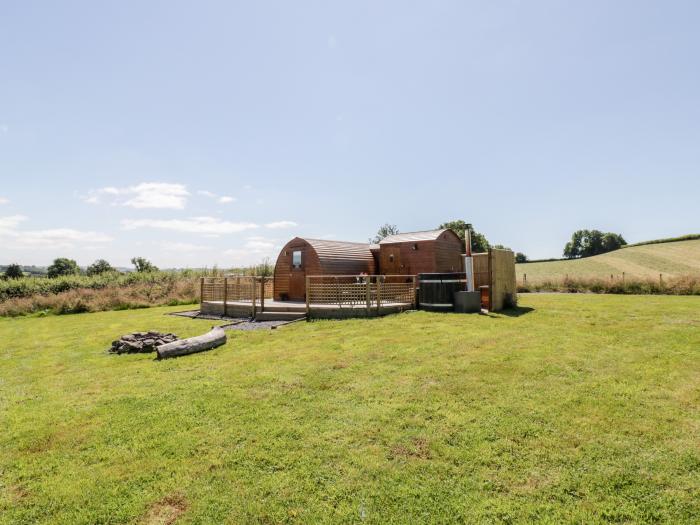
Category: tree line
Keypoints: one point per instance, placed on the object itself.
(65, 266)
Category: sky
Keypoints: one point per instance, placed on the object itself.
(210, 133)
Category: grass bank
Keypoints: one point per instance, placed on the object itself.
(574, 408)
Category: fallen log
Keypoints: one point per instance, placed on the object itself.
(215, 337)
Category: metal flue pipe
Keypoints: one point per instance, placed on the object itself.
(468, 261)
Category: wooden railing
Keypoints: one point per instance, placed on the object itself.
(357, 291)
(237, 288)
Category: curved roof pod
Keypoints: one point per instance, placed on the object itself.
(318, 257)
(338, 257)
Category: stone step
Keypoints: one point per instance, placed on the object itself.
(280, 316)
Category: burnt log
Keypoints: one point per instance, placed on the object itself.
(215, 337)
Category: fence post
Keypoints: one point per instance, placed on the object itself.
(368, 287)
(225, 295)
(201, 292)
(661, 281)
(413, 295)
(262, 294)
(379, 292)
(308, 297)
(253, 293)
(623, 277)
(524, 277)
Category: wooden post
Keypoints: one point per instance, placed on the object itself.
(225, 295)
(262, 294)
(661, 281)
(253, 293)
(524, 277)
(201, 292)
(413, 296)
(368, 289)
(379, 292)
(307, 296)
(623, 277)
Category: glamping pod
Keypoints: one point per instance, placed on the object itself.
(302, 257)
(434, 251)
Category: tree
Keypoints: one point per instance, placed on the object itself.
(479, 242)
(586, 243)
(264, 269)
(100, 266)
(520, 257)
(383, 232)
(14, 271)
(63, 266)
(143, 265)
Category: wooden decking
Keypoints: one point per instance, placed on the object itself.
(318, 311)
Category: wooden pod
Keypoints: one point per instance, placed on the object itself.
(215, 337)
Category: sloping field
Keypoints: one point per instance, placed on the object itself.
(571, 409)
(673, 259)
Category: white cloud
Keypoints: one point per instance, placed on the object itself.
(221, 199)
(183, 247)
(204, 225)
(280, 224)
(12, 237)
(8, 224)
(3, 200)
(144, 195)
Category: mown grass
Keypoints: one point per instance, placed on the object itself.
(640, 262)
(573, 408)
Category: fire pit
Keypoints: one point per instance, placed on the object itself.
(141, 342)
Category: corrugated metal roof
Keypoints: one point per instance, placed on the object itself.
(343, 257)
(429, 235)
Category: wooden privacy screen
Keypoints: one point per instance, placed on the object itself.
(481, 269)
(502, 291)
(234, 289)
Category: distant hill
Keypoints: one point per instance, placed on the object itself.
(648, 259)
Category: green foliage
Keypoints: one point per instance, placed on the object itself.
(143, 265)
(14, 271)
(28, 286)
(383, 232)
(569, 409)
(520, 257)
(479, 242)
(264, 269)
(586, 243)
(100, 266)
(63, 266)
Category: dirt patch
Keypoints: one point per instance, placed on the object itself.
(418, 448)
(165, 511)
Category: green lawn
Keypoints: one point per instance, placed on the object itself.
(672, 259)
(581, 408)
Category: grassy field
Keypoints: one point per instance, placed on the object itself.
(574, 408)
(671, 259)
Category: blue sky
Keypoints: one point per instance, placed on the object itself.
(202, 133)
